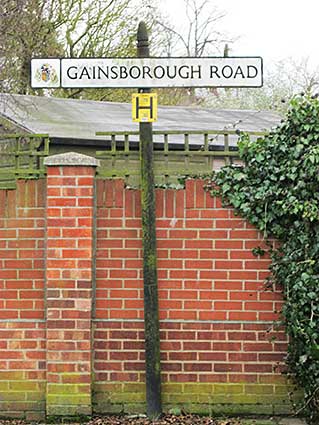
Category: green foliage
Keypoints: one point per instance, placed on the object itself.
(258, 251)
(278, 191)
(26, 31)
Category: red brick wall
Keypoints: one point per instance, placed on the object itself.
(22, 313)
(219, 350)
(216, 317)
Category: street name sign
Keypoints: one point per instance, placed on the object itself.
(147, 72)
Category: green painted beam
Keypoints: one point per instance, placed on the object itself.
(159, 132)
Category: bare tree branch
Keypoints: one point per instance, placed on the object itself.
(177, 34)
(201, 35)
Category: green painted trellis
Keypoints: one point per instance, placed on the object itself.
(22, 157)
(171, 159)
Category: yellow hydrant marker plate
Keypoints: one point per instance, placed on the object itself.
(144, 107)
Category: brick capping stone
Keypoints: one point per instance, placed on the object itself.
(71, 159)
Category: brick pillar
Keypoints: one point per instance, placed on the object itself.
(70, 206)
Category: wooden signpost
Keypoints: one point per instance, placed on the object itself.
(145, 73)
(151, 319)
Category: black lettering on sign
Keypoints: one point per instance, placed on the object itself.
(239, 72)
(186, 74)
(161, 74)
(135, 72)
(145, 107)
(100, 71)
(123, 72)
(114, 72)
(252, 71)
(74, 75)
(147, 71)
(173, 74)
(84, 73)
(227, 71)
(196, 71)
(214, 70)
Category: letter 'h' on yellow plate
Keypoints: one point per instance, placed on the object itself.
(144, 107)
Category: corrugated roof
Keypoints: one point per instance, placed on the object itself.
(81, 119)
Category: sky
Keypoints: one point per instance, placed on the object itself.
(273, 29)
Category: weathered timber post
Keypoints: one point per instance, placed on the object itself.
(151, 319)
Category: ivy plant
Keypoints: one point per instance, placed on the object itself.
(277, 189)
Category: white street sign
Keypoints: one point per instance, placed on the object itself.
(147, 72)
